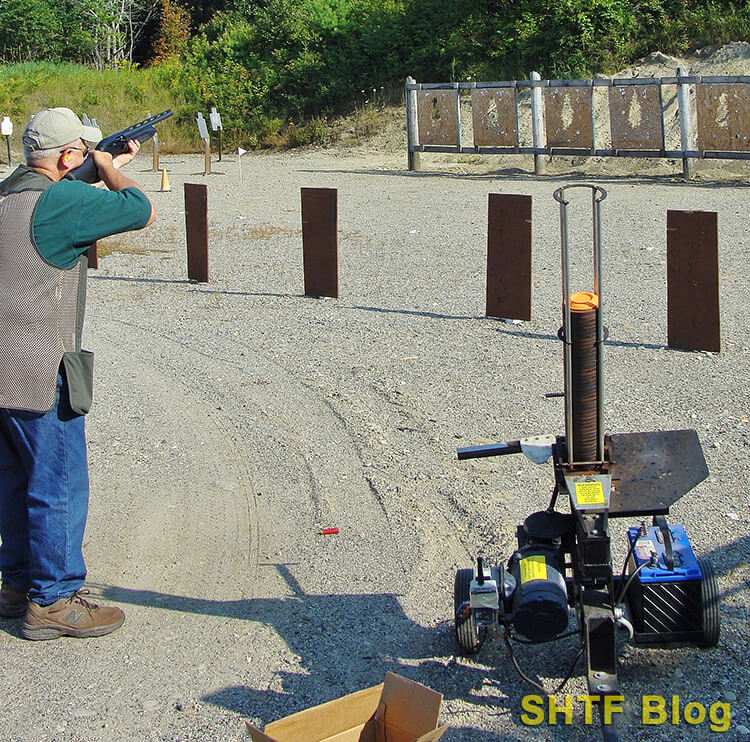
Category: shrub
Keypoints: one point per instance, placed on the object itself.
(277, 69)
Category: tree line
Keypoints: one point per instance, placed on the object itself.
(266, 63)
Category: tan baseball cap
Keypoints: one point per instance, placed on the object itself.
(55, 127)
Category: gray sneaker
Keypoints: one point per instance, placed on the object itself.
(73, 616)
(13, 601)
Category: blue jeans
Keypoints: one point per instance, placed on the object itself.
(44, 497)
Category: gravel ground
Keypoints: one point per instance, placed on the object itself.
(235, 419)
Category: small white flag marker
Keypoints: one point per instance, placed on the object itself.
(240, 152)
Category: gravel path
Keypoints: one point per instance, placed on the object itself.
(235, 419)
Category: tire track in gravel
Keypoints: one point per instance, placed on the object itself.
(264, 435)
(171, 484)
(303, 464)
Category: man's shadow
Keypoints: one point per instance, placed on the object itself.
(347, 642)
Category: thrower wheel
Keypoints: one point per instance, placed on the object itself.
(468, 635)
(710, 617)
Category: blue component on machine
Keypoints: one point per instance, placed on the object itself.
(652, 542)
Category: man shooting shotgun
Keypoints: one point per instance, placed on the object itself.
(117, 144)
(48, 221)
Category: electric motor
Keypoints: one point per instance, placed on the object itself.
(540, 600)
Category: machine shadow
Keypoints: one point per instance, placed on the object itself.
(374, 635)
(726, 559)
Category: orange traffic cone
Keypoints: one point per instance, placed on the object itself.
(164, 180)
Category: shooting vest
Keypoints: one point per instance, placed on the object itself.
(41, 305)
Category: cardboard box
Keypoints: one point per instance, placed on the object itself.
(398, 710)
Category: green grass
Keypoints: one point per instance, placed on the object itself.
(283, 72)
(116, 98)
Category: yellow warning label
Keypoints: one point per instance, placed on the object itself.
(533, 568)
(589, 493)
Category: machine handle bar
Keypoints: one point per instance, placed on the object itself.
(490, 449)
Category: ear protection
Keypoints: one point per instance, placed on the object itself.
(66, 158)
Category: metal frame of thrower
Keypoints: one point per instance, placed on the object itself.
(593, 584)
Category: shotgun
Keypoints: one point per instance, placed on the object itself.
(116, 144)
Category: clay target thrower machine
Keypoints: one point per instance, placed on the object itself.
(562, 570)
